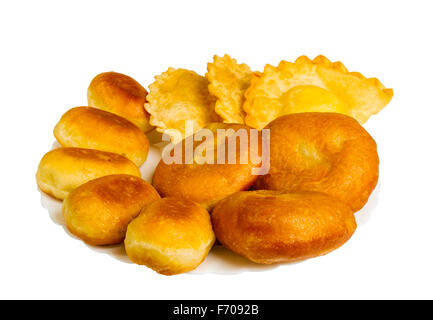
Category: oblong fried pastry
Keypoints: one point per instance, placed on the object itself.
(171, 236)
(91, 128)
(270, 227)
(207, 182)
(99, 211)
(317, 85)
(62, 170)
(324, 152)
(228, 82)
(120, 94)
(176, 96)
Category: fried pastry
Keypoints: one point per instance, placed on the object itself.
(317, 85)
(228, 82)
(64, 169)
(324, 152)
(176, 96)
(208, 180)
(271, 227)
(171, 236)
(120, 94)
(91, 128)
(99, 211)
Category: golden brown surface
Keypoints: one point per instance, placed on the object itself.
(325, 152)
(171, 236)
(121, 95)
(91, 128)
(207, 183)
(317, 85)
(99, 211)
(270, 227)
(228, 81)
(62, 170)
(176, 96)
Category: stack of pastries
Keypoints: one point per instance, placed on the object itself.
(323, 165)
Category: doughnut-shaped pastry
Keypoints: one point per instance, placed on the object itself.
(120, 94)
(269, 227)
(91, 128)
(171, 236)
(99, 211)
(207, 183)
(62, 170)
(324, 152)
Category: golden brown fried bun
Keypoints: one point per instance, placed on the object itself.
(324, 152)
(120, 94)
(270, 227)
(91, 128)
(99, 211)
(62, 170)
(171, 236)
(208, 183)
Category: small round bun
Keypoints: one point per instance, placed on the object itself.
(62, 170)
(120, 94)
(171, 236)
(324, 152)
(270, 227)
(91, 128)
(207, 183)
(99, 211)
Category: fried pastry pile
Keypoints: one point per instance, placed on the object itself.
(230, 92)
(286, 193)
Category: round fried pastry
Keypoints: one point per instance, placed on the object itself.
(120, 94)
(270, 227)
(91, 128)
(62, 170)
(211, 181)
(99, 211)
(324, 152)
(171, 236)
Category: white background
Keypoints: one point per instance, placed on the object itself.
(50, 50)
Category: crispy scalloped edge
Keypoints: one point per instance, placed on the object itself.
(151, 96)
(150, 105)
(284, 68)
(220, 104)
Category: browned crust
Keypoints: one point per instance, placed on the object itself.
(62, 170)
(171, 236)
(205, 183)
(324, 152)
(91, 128)
(120, 94)
(99, 211)
(270, 227)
